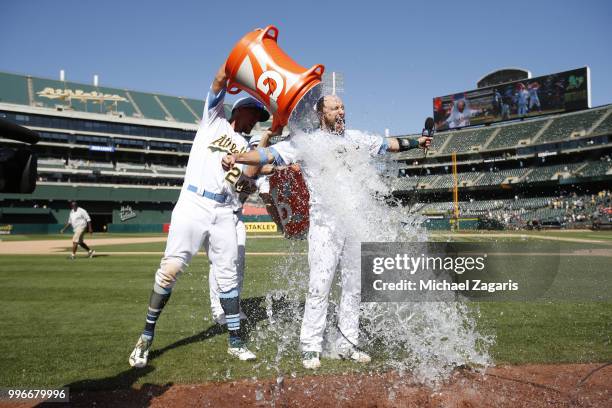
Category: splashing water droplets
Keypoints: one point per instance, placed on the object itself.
(350, 190)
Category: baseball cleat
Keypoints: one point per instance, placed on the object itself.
(140, 355)
(71, 257)
(91, 253)
(310, 360)
(356, 355)
(243, 353)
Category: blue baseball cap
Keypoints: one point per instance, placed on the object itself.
(250, 102)
(254, 141)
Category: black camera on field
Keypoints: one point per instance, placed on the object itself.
(18, 165)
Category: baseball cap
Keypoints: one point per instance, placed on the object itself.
(254, 141)
(250, 102)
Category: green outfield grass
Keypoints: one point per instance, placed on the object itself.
(254, 245)
(74, 323)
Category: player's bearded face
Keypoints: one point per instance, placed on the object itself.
(333, 115)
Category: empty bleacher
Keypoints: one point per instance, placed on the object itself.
(498, 177)
(596, 168)
(14, 89)
(447, 181)
(196, 105)
(88, 98)
(511, 135)
(546, 173)
(606, 125)
(562, 127)
(147, 104)
(468, 140)
(177, 109)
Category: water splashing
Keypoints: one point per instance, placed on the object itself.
(350, 190)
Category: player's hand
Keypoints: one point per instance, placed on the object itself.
(424, 142)
(228, 162)
(268, 134)
(246, 185)
(274, 131)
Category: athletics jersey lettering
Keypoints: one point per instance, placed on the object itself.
(225, 144)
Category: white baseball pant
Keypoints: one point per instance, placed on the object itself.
(329, 248)
(215, 303)
(198, 221)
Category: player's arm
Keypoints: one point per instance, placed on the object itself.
(253, 171)
(65, 226)
(88, 219)
(403, 144)
(213, 105)
(267, 169)
(258, 157)
(220, 81)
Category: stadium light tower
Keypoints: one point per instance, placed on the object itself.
(333, 83)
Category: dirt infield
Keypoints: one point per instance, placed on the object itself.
(564, 385)
(55, 246)
(48, 247)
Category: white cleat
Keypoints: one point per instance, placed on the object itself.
(356, 355)
(310, 360)
(140, 355)
(91, 253)
(243, 353)
(71, 257)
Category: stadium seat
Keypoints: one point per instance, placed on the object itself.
(562, 127)
(510, 135)
(468, 140)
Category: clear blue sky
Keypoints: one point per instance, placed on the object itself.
(395, 56)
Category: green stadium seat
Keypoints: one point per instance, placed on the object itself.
(148, 105)
(511, 134)
(13, 89)
(498, 177)
(177, 109)
(468, 140)
(605, 126)
(562, 127)
(596, 168)
(546, 173)
(196, 105)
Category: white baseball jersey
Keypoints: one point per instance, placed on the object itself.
(215, 138)
(290, 153)
(78, 218)
(328, 172)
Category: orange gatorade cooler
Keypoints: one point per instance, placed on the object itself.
(290, 195)
(258, 66)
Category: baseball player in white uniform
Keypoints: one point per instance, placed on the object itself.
(204, 216)
(79, 220)
(329, 246)
(215, 302)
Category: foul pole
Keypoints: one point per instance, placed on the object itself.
(455, 192)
